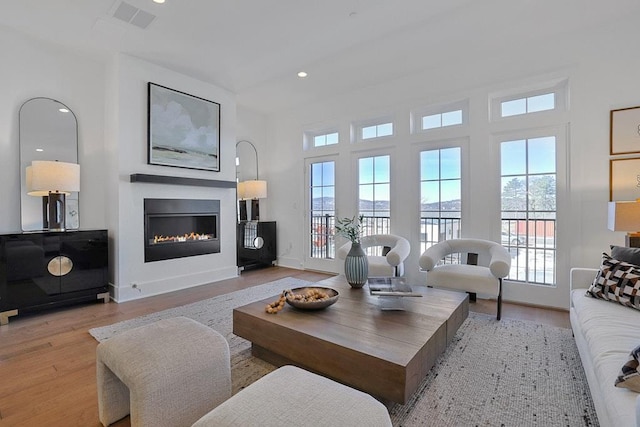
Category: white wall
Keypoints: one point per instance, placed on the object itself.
(110, 102)
(602, 74)
(127, 148)
(32, 68)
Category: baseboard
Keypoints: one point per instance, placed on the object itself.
(171, 284)
(290, 263)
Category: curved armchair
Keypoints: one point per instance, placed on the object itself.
(493, 264)
(395, 250)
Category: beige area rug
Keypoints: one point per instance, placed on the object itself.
(506, 373)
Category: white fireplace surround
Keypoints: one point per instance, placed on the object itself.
(126, 136)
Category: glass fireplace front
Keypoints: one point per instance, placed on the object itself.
(176, 228)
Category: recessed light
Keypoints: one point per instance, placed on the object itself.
(158, 1)
(302, 74)
(39, 150)
(63, 110)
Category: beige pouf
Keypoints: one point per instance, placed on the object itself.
(168, 373)
(290, 396)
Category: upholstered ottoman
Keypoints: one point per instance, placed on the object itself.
(168, 373)
(290, 396)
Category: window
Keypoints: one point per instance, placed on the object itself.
(528, 205)
(432, 117)
(527, 105)
(325, 139)
(374, 194)
(376, 131)
(450, 118)
(322, 177)
(545, 97)
(440, 196)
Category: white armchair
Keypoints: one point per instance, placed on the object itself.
(493, 264)
(395, 249)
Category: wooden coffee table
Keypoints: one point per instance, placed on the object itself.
(384, 353)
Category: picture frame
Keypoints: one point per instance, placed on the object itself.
(624, 131)
(183, 130)
(624, 179)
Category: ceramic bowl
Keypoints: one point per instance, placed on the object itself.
(313, 305)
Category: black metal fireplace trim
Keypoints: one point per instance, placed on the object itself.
(186, 249)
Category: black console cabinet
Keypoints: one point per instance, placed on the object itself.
(256, 243)
(44, 269)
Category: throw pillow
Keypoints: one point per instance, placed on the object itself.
(629, 376)
(617, 281)
(630, 255)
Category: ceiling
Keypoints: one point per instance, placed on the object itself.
(254, 48)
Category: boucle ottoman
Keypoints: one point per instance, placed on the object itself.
(290, 396)
(168, 373)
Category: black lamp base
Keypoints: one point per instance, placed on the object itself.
(255, 210)
(242, 210)
(57, 213)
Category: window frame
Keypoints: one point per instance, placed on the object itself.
(460, 145)
(374, 183)
(310, 187)
(417, 115)
(322, 264)
(358, 126)
(561, 133)
(560, 89)
(310, 135)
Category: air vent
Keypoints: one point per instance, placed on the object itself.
(132, 15)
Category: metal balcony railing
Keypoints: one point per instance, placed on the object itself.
(531, 242)
(323, 230)
(322, 236)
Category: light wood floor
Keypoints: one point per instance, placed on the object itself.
(47, 360)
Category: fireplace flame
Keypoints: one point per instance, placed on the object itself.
(187, 237)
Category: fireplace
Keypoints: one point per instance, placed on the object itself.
(176, 228)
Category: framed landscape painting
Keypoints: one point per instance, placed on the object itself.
(183, 130)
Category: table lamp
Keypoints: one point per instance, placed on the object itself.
(252, 189)
(625, 216)
(55, 180)
(255, 189)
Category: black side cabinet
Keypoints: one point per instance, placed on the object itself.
(256, 244)
(45, 269)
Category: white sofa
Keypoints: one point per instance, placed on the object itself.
(605, 333)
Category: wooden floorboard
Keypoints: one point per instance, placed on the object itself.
(47, 359)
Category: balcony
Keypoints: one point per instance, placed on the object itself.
(323, 239)
(531, 243)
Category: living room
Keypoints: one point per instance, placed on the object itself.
(492, 52)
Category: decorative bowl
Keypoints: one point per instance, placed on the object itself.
(311, 305)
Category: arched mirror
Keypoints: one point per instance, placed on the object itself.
(246, 161)
(250, 187)
(48, 131)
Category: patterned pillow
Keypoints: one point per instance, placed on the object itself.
(629, 376)
(617, 281)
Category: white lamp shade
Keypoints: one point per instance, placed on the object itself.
(30, 190)
(255, 189)
(55, 177)
(241, 190)
(624, 216)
